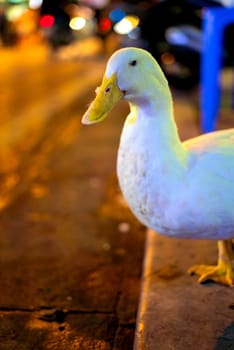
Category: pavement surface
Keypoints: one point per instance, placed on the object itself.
(70, 251)
(176, 312)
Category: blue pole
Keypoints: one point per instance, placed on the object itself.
(210, 69)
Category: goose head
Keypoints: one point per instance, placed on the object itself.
(131, 74)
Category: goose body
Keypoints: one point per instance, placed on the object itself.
(179, 189)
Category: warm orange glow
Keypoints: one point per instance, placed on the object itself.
(167, 58)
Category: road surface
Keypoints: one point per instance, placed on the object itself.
(70, 251)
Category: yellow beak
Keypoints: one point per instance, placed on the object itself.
(108, 94)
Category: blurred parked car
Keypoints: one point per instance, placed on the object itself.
(171, 31)
(54, 22)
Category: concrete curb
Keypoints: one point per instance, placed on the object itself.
(175, 311)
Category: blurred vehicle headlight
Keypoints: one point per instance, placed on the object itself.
(34, 4)
(126, 25)
(77, 23)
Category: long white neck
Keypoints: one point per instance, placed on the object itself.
(151, 122)
(151, 158)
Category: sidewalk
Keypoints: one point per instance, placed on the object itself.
(176, 312)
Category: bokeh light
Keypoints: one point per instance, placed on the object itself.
(105, 24)
(117, 14)
(77, 23)
(34, 4)
(46, 21)
(15, 11)
(126, 25)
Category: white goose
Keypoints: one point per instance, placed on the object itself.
(183, 190)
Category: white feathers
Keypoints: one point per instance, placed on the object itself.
(178, 189)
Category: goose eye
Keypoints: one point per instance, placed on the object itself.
(133, 63)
